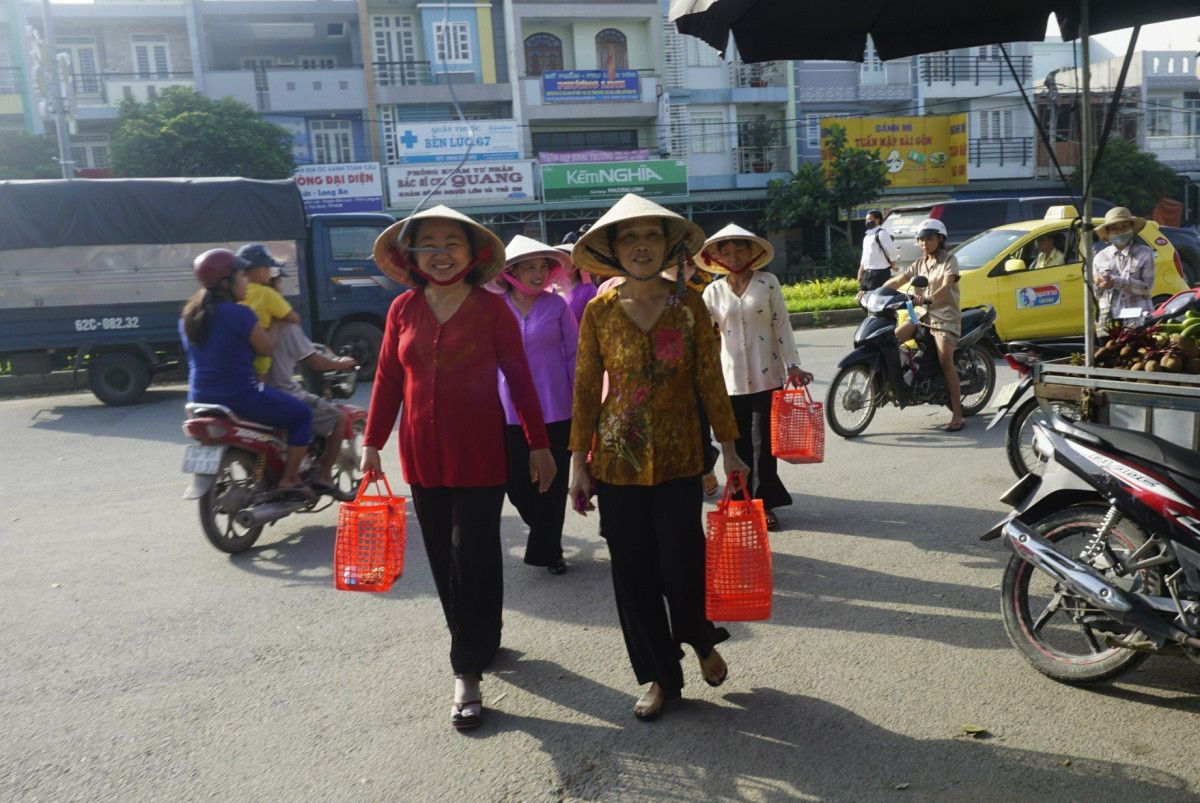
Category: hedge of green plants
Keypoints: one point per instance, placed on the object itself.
(821, 294)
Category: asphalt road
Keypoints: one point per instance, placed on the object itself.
(137, 662)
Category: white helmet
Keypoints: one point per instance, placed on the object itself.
(931, 226)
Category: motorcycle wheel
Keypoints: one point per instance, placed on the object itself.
(978, 360)
(345, 469)
(1043, 620)
(1018, 444)
(231, 490)
(851, 401)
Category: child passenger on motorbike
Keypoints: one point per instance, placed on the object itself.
(221, 337)
(942, 315)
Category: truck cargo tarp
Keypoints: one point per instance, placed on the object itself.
(46, 214)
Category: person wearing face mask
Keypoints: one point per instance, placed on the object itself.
(879, 255)
(1124, 271)
(657, 344)
(443, 343)
(758, 350)
(551, 336)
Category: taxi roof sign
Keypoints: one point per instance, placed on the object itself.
(1065, 212)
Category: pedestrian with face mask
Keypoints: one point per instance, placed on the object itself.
(1124, 271)
(879, 255)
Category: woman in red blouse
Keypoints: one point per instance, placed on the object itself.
(444, 341)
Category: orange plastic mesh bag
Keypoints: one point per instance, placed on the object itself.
(368, 553)
(797, 426)
(738, 582)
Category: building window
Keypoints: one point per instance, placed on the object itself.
(812, 131)
(708, 132)
(1191, 107)
(151, 58)
(82, 52)
(332, 141)
(395, 42)
(1158, 119)
(996, 124)
(612, 50)
(453, 42)
(698, 54)
(317, 63)
(89, 151)
(558, 141)
(543, 51)
(938, 66)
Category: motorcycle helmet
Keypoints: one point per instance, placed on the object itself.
(931, 226)
(214, 265)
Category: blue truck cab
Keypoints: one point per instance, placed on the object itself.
(93, 273)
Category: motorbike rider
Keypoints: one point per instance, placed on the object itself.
(292, 348)
(942, 314)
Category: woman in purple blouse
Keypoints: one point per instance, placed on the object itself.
(575, 286)
(550, 333)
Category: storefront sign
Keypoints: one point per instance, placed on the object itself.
(918, 151)
(350, 187)
(590, 86)
(473, 183)
(489, 140)
(584, 157)
(653, 178)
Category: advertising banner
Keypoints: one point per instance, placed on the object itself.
(584, 157)
(653, 178)
(918, 151)
(349, 187)
(489, 140)
(473, 183)
(590, 86)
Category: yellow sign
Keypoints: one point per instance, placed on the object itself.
(918, 151)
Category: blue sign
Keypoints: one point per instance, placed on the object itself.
(591, 86)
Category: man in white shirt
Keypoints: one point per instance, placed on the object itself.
(878, 255)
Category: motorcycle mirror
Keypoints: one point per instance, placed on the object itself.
(920, 281)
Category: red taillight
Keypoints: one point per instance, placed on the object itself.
(1019, 362)
(1179, 266)
(206, 429)
(936, 212)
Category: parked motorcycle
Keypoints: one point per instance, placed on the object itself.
(1106, 564)
(237, 463)
(1017, 398)
(880, 370)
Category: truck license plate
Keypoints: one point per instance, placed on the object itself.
(202, 459)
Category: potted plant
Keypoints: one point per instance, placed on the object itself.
(760, 136)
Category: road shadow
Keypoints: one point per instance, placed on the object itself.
(142, 421)
(786, 747)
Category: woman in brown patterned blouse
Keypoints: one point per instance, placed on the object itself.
(658, 346)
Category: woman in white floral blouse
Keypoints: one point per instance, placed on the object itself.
(758, 352)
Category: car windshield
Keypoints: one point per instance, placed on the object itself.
(984, 247)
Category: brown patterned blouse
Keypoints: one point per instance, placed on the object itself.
(647, 430)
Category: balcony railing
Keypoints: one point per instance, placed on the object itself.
(418, 73)
(1001, 152)
(109, 89)
(11, 81)
(751, 159)
(1187, 143)
(975, 70)
(762, 74)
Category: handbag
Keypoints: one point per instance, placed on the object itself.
(737, 559)
(797, 426)
(368, 551)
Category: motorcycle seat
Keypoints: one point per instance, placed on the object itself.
(1046, 349)
(973, 318)
(201, 410)
(1146, 447)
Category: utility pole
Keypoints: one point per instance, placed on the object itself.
(59, 100)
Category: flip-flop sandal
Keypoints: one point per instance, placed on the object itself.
(954, 427)
(326, 489)
(462, 720)
(711, 488)
(772, 521)
(712, 679)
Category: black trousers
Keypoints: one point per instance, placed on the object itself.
(874, 279)
(709, 451)
(543, 513)
(656, 542)
(461, 530)
(752, 411)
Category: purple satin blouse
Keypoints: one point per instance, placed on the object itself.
(551, 336)
(578, 298)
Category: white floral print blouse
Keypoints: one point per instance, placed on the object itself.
(757, 345)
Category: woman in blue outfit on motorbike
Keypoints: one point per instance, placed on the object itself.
(221, 338)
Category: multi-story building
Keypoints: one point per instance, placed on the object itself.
(16, 109)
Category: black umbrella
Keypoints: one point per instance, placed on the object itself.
(769, 30)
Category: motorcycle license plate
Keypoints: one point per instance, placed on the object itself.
(1006, 394)
(202, 459)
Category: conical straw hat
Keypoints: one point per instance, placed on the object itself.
(392, 257)
(593, 253)
(761, 250)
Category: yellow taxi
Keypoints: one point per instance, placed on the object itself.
(1000, 267)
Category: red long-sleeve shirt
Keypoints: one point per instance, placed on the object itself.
(452, 424)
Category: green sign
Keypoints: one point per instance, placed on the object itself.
(654, 178)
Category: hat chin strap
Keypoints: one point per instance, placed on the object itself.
(483, 256)
(520, 285)
(713, 260)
